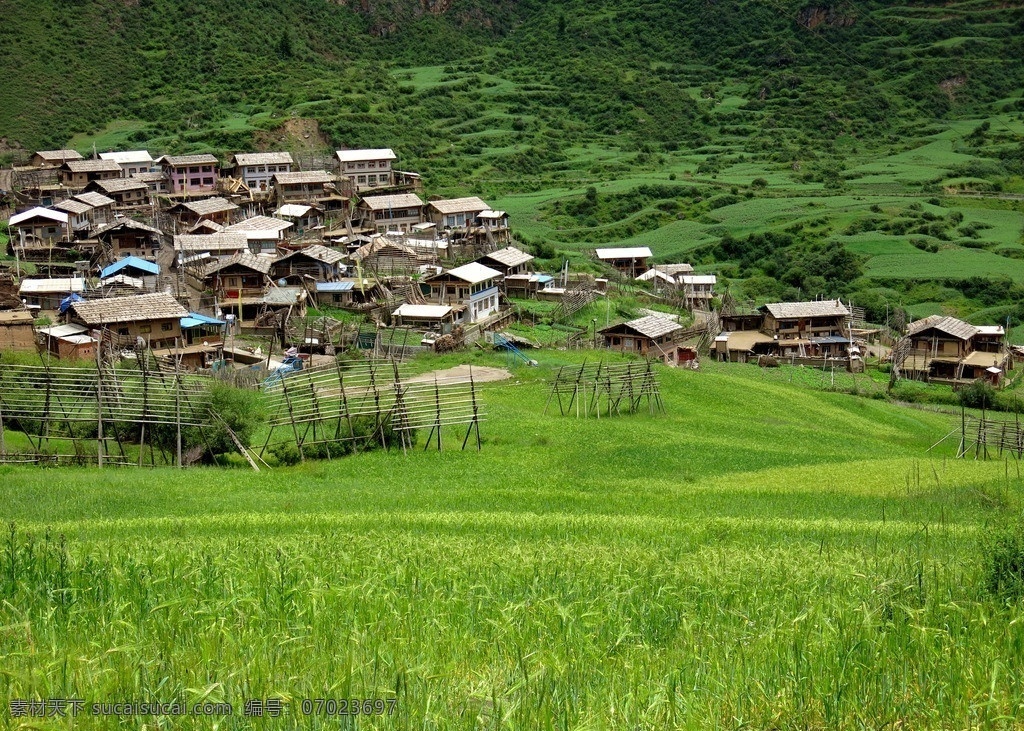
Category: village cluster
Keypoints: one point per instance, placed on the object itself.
(181, 253)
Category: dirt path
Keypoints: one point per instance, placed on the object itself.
(481, 374)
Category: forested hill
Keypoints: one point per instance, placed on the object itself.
(203, 74)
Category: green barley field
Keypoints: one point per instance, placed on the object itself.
(762, 555)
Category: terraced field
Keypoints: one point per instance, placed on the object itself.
(726, 563)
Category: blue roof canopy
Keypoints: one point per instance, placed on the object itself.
(194, 319)
(335, 286)
(130, 262)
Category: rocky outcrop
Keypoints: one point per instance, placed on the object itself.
(830, 16)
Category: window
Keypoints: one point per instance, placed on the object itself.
(361, 166)
(207, 181)
(145, 328)
(194, 169)
(194, 182)
(382, 179)
(371, 179)
(361, 179)
(371, 165)
(122, 331)
(167, 327)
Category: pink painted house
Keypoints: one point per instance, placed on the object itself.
(190, 173)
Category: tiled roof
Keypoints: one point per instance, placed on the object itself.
(155, 306)
(817, 308)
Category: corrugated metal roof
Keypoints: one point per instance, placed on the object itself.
(128, 157)
(293, 209)
(474, 272)
(28, 215)
(62, 285)
(427, 312)
(381, 153)
(335, 286)
(132, 262)
(510, 256)
(635, 252)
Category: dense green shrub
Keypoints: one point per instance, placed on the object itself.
(1003, 561)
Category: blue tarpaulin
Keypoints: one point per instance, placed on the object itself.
(65, 304)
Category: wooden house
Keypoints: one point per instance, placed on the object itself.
(54, 158)
(240, 277)
(491, 227)
(631, 261)
(125, 192)
(76, 174)
(456, 214)
(218, 210)
(17, 330)
(367, 169)
(40, 227)
(820, 328)
(128, 237)
(155, 180)
(509, 261)
(304, 217)
(189, 173)
(472, 285)
(526, 286)
(437, 318)
(46, 294)
(317, 262)
(154, 318)
(948, 350)
(78, 215)
(390, 213)
(131, 162)
(651, 336)
(807, 332)
(385, 255)
(698, 290)
(101, 207)
(201, 344)
(69, 342)
(312, 188)
(146, 272)
(258, 169)
(192, 248)
(263, 233)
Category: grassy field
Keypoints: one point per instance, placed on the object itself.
(726, 564)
